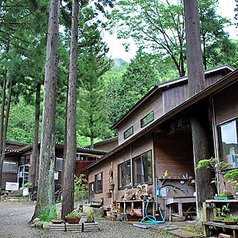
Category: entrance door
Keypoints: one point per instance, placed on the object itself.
(91, 194)
(23, 175)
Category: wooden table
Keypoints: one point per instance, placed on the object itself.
(179, 201)
(211, 227)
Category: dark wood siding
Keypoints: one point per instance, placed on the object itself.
(174, 154)
(226, 104)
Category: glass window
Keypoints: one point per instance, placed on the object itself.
(59, 164)
(124, 171)
(128, 132)
(142, 168)
(98, 183)
(147, 119)
(229, 142)
(9, 167)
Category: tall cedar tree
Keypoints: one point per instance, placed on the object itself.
(15, 47)
(45, 193)
(92, 108)
(196, 80)
(70, 158)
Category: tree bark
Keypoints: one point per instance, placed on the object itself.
(70, 159)
(35, 150)
(196, 78)
(45, 193)
(2, 149)
(202, 143)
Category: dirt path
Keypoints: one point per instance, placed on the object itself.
(15, 217)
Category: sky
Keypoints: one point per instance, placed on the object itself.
(226, 9)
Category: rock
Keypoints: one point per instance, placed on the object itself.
(36, 220)
(39, 224)
(46, 225)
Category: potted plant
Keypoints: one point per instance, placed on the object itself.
(225, 195)
(220, 168)
(73, 218)
(231, 220)
(90, 216)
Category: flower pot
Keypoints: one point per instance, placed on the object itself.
(72, 220)
(90, 220)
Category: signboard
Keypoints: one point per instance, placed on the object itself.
(12, 186)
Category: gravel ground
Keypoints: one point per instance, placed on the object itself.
(15, 217)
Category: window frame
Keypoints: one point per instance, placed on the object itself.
(223, 152)
(129, 133)
(7, 165)
(146, 119)
(145, 176)
(98, 186)
(121, 176)
(59, 164)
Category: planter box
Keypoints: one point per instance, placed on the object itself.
(223, 197)
(90, 226)
(57, 227)
(74, 227)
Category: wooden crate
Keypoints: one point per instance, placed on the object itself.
(74, 227)
(90, 226)
(57, 227)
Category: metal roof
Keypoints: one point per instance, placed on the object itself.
(173, 82)
(208, 91)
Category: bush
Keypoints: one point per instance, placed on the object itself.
(48, 214)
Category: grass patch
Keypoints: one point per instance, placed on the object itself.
(48, 214)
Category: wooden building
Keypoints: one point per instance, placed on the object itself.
(155, 147)
(18, 159)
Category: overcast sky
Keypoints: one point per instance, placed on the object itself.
(226, 9)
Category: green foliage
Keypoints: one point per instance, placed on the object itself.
(74, 215)
(48, 214)
(80, 187)
(90, 214)
(232, 176)
(137, 80)
(220, 169)
(28, 185)
(159, 27)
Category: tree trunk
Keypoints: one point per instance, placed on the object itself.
(70, 159)
(202, 149)
(45, 193)
(35, 151)
(202, 145)
(2, 149)
(196, 78)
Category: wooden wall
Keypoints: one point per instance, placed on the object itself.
(9, 177)
(174, 154)
(226, 104)
(153, 104)
(127, 153)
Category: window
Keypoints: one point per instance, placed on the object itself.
(98, 183)
(25, 159)
(59, 164)
(147, 119)
(229, 142)
(128, 132)
(9, 167)
(142, 168)
(124, 171)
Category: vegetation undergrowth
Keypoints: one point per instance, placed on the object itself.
(48, 214)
